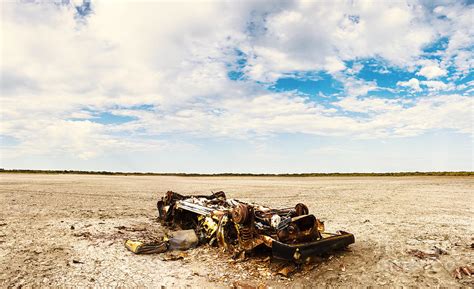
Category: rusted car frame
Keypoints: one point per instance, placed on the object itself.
(239, 227)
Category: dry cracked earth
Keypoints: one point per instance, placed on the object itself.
(68, 230)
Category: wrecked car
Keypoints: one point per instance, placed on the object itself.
(290, 233)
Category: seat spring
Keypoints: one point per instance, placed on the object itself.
(246, 234)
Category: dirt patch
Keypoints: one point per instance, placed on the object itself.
(70, 229)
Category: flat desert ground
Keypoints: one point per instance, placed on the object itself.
(69, 230)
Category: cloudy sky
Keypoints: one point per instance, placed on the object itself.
(237, 86)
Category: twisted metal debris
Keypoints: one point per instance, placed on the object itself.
(289, 233)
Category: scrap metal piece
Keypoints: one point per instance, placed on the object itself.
(301, 209)
(195, 208)
(275, 221)
(240, 214)
(221, 233)
(139, 247)
(299, 252)
(299, 229)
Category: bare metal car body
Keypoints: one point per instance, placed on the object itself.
(290, 233)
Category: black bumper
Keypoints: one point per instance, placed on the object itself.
(299, 252)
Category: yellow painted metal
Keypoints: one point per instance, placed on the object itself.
(210, 226)
(133, 245)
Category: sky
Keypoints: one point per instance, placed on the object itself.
(237, 86)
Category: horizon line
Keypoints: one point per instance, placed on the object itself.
(182, 174)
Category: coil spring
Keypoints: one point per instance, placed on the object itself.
(246, 234)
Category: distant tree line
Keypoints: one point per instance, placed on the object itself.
(397, 174)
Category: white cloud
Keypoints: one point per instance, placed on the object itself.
(244, 118)
(464, 62)
(437, 85)
(428, 113)
(367, 105)
(456, 24)
(356, 68)
(83, 139)
(357, 87)
(396, 32)
(413, 84)
(432, 71)
(334, 65)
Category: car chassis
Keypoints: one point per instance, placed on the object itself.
(290, 233)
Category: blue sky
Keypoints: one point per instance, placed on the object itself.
(256, 86)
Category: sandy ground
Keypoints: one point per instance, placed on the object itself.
(69, 230)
